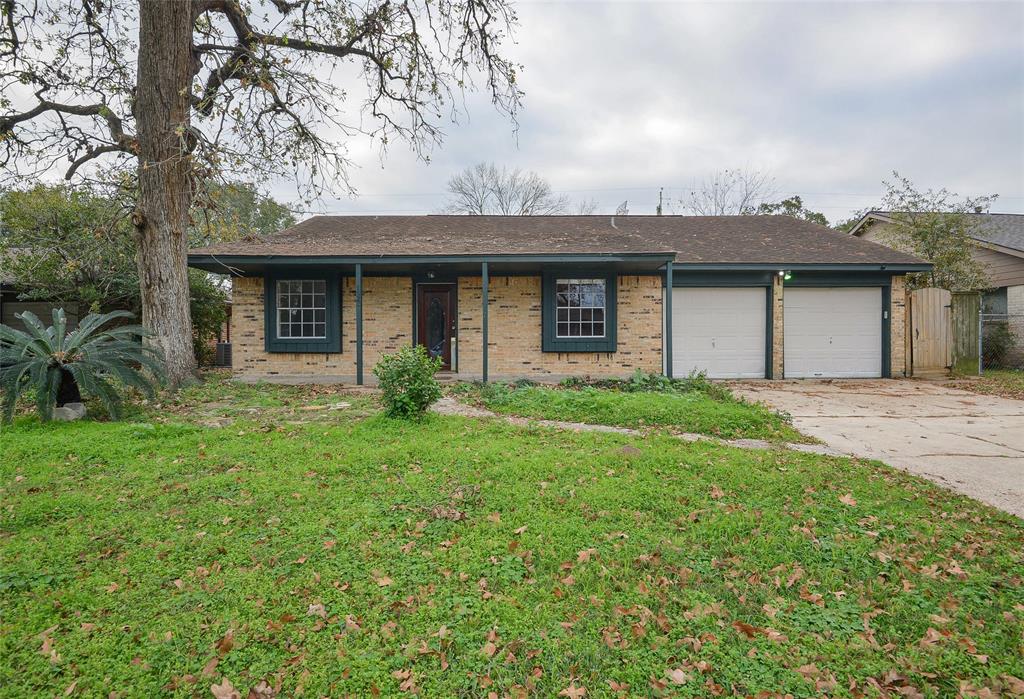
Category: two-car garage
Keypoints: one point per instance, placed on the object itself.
(828, 331)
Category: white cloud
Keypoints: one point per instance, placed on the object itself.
(829, 96)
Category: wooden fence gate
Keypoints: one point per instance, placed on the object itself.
(944, 331)
(931, 331)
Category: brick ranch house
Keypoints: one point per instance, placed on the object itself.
(546, 297)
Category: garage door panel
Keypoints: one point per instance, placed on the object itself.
(720, 331)
(833, 332)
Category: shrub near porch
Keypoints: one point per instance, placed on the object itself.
(320, 551)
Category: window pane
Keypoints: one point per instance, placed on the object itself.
(580, 307)
(302, 308)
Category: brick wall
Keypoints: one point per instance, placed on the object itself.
(514, 333)
(1015, 320)
(778, 328)
(387, 325)
(898, 326)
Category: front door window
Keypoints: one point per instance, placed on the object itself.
(437, 327)
(435, 310)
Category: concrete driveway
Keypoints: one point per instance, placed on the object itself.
(970, 443)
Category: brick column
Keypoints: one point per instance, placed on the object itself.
(778, 326)
(898, 327)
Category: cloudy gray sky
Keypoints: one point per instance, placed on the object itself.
(624, 98)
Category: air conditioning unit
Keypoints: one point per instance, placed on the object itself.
(223, 357)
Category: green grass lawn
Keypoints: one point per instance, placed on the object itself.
(695, 411)
(1008, 383)
(317, 546)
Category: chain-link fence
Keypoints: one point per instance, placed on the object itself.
(1001, 341)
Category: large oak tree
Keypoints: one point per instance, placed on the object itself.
(169, 93)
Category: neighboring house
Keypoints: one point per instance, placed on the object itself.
(999, 248)
(10, 305)
(545, 297)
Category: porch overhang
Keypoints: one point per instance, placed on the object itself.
(467, 265)
(892, 268)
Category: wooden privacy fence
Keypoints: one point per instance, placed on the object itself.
(966, 307)
(943, 331)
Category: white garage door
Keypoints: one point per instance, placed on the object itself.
(833, 332)
(720, 331)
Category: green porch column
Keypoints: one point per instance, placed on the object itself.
(359, 324)
(668, 320)
(485, 282)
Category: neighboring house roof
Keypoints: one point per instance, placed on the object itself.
(1002, 230)
(6, 278)
(780, 240)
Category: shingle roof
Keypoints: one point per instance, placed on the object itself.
(999, 229)
(693, 239)
(1006, 230)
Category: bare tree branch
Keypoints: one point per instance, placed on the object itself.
(486, 189)
(729, 192)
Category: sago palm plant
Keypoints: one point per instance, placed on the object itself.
(55, 362)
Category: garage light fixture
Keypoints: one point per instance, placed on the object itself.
(785, 274)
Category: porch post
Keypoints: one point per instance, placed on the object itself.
(485, 279)
(359, 324)
(667, 306)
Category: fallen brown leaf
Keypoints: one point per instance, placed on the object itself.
(224, 690)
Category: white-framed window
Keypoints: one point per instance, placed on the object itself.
(580, 308)
(302, 309)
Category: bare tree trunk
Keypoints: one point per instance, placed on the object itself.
(161, 219)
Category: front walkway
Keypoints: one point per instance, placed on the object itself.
(968, 442)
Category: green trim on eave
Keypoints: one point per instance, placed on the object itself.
(731, 278)
(303, 260)
(891, 268)
(549, 341)
(329, 345)
(829, 279)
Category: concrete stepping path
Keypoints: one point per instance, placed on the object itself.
(450, 406)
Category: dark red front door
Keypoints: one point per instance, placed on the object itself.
(435, 324)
